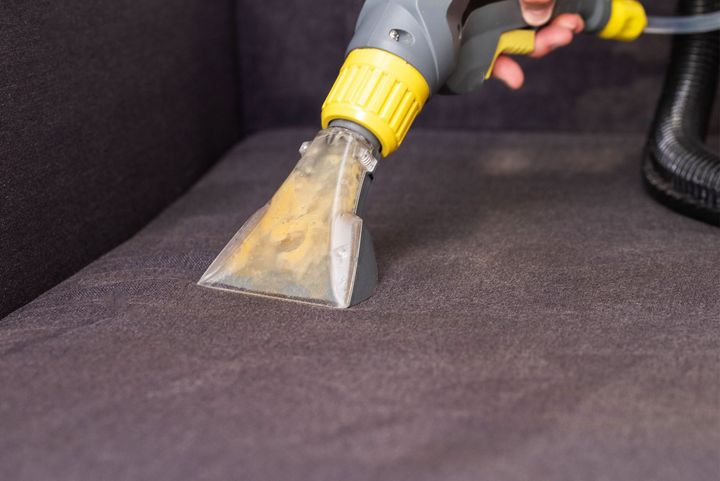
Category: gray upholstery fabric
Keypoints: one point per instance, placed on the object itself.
(109, 110)
(538, 317)
(593, 85)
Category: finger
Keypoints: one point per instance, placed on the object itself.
(509, 72)
(570, 21)
(551, 38)
(536, 12)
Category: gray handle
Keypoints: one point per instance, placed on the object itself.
(425, 33)
(485, 26)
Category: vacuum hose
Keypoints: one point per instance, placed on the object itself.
(682, 25)
(679, 170)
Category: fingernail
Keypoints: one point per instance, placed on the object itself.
(536, 15)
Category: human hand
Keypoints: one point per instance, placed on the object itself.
(558, 33)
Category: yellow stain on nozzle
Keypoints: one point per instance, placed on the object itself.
(303, 244)
(292, 238)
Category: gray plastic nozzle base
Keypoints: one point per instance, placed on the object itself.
(366, 272)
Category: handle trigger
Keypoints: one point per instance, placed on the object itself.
(489, 31)
(514, 42)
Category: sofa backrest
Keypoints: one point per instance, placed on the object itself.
(291, 57)
(109, 109)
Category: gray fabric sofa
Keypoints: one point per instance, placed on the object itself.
(538, 315)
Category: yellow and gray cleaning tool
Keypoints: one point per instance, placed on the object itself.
(309, 243)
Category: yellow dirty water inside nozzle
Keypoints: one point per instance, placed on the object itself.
(303, 245)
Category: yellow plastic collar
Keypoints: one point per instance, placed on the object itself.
(381, 92)
(627, 21)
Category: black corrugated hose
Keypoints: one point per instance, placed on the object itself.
(679, 170)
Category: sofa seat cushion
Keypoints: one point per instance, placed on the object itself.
(538, 316)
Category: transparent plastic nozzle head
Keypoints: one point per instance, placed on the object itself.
(308, 243)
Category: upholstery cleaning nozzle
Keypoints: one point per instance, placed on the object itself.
(309, 243)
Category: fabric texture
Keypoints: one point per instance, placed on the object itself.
(109, 110)
(538, 317)
(593, 85)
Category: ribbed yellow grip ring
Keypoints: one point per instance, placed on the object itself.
(381, 92)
